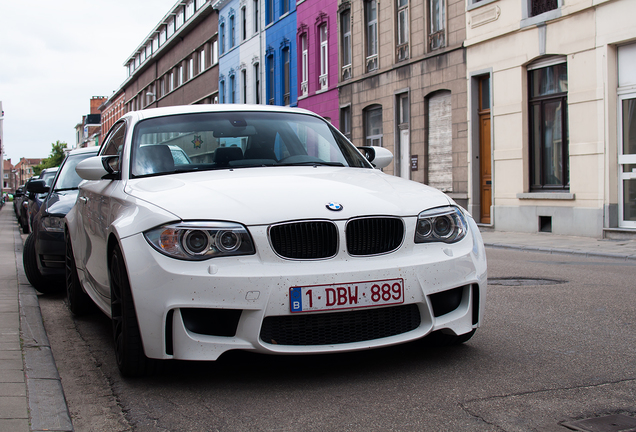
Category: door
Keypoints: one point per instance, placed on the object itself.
(627, 161)
(485, 164)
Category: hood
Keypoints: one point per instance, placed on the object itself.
(59, 203)
(260, 196)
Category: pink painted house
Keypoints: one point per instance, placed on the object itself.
(317, 44)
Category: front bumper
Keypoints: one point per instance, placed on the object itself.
(199, 310)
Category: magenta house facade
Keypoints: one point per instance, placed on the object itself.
(317, 42)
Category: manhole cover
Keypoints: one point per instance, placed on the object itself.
(612, 423)
(523, 281)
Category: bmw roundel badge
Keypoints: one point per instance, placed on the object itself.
(334, 206)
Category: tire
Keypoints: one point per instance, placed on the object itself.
(25, 226)
(129, 351)
(439, 338)
(79, 303)
(29, 259)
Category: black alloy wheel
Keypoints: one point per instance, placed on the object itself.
(79, 303)
(129, 350)
(29, 259)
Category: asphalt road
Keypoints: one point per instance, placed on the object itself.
(548, 352)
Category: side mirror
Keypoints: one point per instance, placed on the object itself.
(378, 156)
(37, 187)
(99, 168)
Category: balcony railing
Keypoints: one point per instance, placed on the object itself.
(346, 72)
(403, 52)
(323, 81)
(372, 63)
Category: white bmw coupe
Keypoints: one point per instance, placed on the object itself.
(208, 228)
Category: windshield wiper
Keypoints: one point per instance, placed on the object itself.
(312, 163)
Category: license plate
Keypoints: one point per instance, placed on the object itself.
(346, 296)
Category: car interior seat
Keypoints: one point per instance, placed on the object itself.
(224, 155)
(153, 159)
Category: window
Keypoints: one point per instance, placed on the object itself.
(324, 58)
(284, 7)
(402, 141)
(269, 11)
(189, 10)
(232, 90)
(549, 154)
(345, 29)
(180, 17)
(244, 81)
(345, 121)
(286, 77)
(215, 52)
(437, 14)
(222, 37)
(222, 91)
(402, 30)
(537, 7)
(257, 84)
(190, 68)
(271, 80)
(256, 16)
(170, 28)
(371, 25)
(181, 74)
(373, 126)
(201, 60)
(243, 24)
(162, 36)
(304, 85)
(440, 141)
(171, 81)
(232, 40)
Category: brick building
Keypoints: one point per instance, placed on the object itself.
(24, 169)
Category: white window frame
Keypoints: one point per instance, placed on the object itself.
(304, 66)
(324, 57)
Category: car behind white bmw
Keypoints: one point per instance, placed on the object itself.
(208, 228)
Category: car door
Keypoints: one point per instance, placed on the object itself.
(95, 200)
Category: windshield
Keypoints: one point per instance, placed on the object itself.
(68, 178)
(48, 177)
(201, 141)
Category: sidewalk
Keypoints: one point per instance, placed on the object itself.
(31, 394)
(551, 243)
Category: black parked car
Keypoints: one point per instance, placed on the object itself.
(44, 248)
(34, 200)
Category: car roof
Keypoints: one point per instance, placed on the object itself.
(82, 150)
(48, 170)
(212, 108)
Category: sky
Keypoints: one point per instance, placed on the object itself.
(55, 56)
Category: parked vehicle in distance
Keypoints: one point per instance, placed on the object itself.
(17, 197)
(44, 248)
(22, 208)
(34, 200)
(276, 236)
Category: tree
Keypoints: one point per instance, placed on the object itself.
(55, 158)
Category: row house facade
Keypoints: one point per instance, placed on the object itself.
(9, 177)
(176, 64)
(390, 74)
(24, 169)
(403, 86)
(552, 110)
(520, 110)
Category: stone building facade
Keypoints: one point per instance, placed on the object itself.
(404, 87)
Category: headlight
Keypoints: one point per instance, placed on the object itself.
(53, 224)
(441, 224)
(201, 240)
